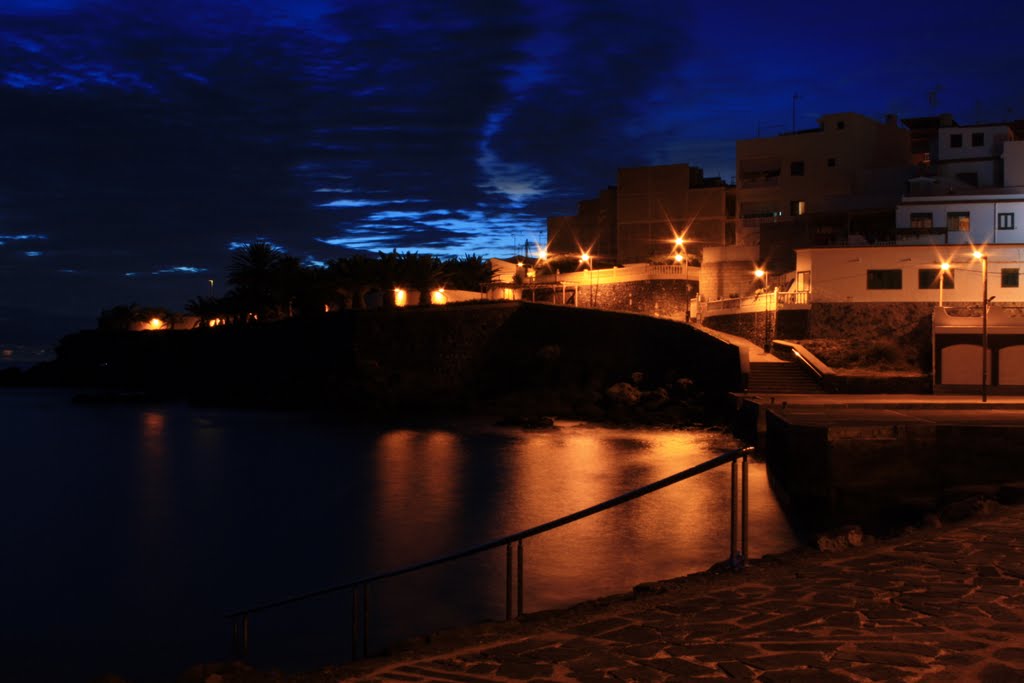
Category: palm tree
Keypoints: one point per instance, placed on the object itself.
(387, 275)
(261, 275)
(469, 272)
(422, 272)
(205, 309)
(354, 276)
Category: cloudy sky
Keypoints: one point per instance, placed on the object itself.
(141, 139)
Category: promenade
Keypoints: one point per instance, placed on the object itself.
(943, 603)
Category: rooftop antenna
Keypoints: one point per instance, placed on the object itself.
(933, 96)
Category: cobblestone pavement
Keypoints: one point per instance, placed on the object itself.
(941, 604)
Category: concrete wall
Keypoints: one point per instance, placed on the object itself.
(1013, 163)
(728, 271)
(882, 476)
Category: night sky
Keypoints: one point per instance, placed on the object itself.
(141, 139)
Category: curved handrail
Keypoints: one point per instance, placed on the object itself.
(518, 537)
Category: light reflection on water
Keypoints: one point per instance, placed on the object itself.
(142, 526)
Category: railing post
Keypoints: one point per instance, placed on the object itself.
(733, 490)
(519, 581)
(508, 581)
(746, 507)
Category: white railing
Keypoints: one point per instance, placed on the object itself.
(757, 303)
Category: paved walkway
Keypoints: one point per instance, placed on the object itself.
(941, 604)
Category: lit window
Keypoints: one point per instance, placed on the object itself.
(1006, 221)
(958, 221)
(921, 220)
(797, 208)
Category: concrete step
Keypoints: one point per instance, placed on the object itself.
(781, 378)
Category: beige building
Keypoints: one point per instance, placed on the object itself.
(657, 204)
(850, 171)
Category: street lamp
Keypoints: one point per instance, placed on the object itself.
(587, 263)
(943, 271)
(984, 323)
(763, 275)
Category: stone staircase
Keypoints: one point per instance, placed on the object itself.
(781, 378)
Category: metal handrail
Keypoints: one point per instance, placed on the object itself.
(737, 551)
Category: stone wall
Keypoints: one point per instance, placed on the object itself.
(904, 323)
(660, 298)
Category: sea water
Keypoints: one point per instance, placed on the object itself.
(129, 531)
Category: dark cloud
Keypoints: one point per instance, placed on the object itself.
(147, 136)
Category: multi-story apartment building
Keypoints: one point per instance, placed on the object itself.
(970, 190)
(817, 186)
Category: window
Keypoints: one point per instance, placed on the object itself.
(977, 139)
(831, 162)
(885, 279)
(803, 281)
(921, 220)
(796, 168)
(958, 221)
(956, 140)
(1006, 221)
(797, 208)
(1010, 277)
(840, 125)
(928, 278)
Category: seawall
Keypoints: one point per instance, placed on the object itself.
(518, 358)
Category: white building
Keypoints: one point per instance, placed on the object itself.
(972, 154)
(908, 274)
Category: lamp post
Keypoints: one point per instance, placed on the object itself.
(763, 275)
(587, 263)
(943, 271)
(984, 323)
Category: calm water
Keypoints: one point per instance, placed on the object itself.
(130, 531)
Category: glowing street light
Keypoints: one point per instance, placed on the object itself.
(984, 323)
(585, 260)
